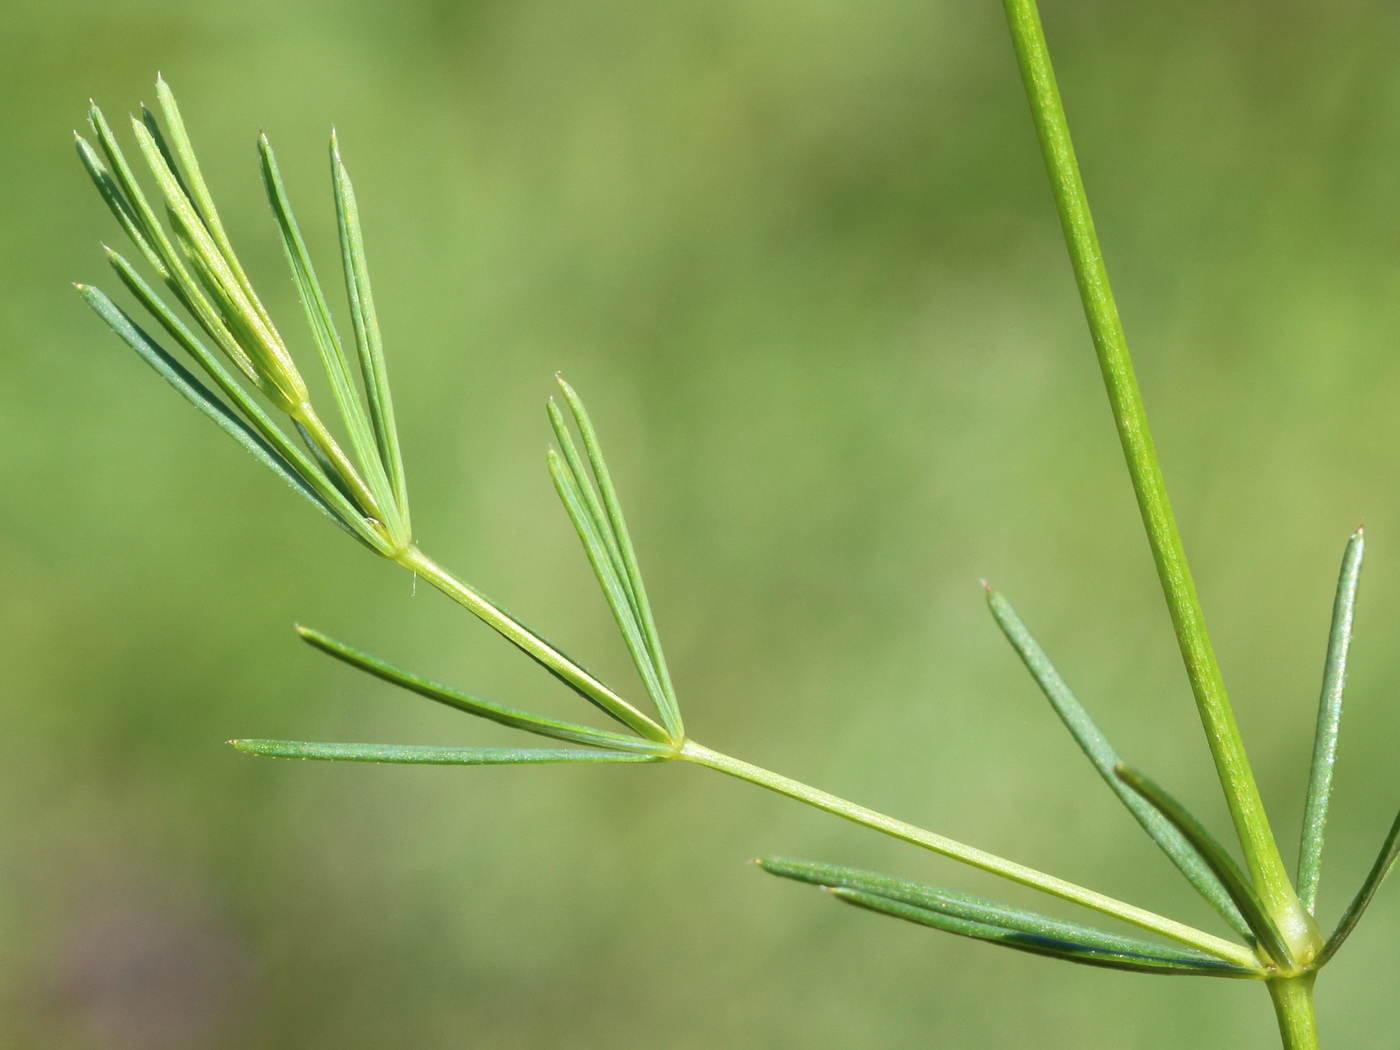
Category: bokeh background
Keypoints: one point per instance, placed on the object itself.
(801, 258)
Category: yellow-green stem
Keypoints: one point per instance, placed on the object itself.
(1232, 765)
(1293, 1004)
(969, 855)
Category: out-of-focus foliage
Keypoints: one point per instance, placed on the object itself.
(802, 262)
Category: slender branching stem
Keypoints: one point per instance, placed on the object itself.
(1241, 792)
(532, 645)
(969, 855)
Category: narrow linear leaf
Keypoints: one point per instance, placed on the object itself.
(160, 251)
(202, 398)
(323, 484)
(153, 126)
(222, 279)
(976, 909)
(191, 181)
(1390, 849)
(1224, 866)
(367, 337)
(323, 329)
(1054, 947)
(494, 712)
(596, 514)
(117, 203)
(566, 483)
(417, 754)
(1329, 720)
(152, 241)
(667, 705)
(1101, 753)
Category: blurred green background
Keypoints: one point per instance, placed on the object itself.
(801, 259)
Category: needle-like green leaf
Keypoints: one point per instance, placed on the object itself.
(567, 483)
(418, 754)
(1224, 866)
(1385, 860)
(1054, 947)
(367, 338)
(191, 182)
(325, 484)
(569, 450)
(318, 315)
(494, 712)
(128, 203)
(1101, 753)
(222, 279)
(975, 909)
(204, 399)
(666, 702)
(1329, 720)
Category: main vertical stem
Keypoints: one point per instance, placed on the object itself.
(1293, 1003)
(1246, 808)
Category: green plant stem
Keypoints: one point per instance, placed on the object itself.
(689, 750)
(976, 858)
(532, 645)
(1261, 852)
(344, 469)
(1293, 1003)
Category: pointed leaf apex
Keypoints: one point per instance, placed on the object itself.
(985, 586)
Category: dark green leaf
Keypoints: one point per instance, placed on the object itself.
(474, 705)
(1054, 947)
(202, 398)
(414, 754)
(567, 484)
(1329, 720)
(667, 705)
(1235, 881)
(1005, 917)
(1100, 752)
(368, 342)
(318, 314)
(324, 484)
(1390, 849)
